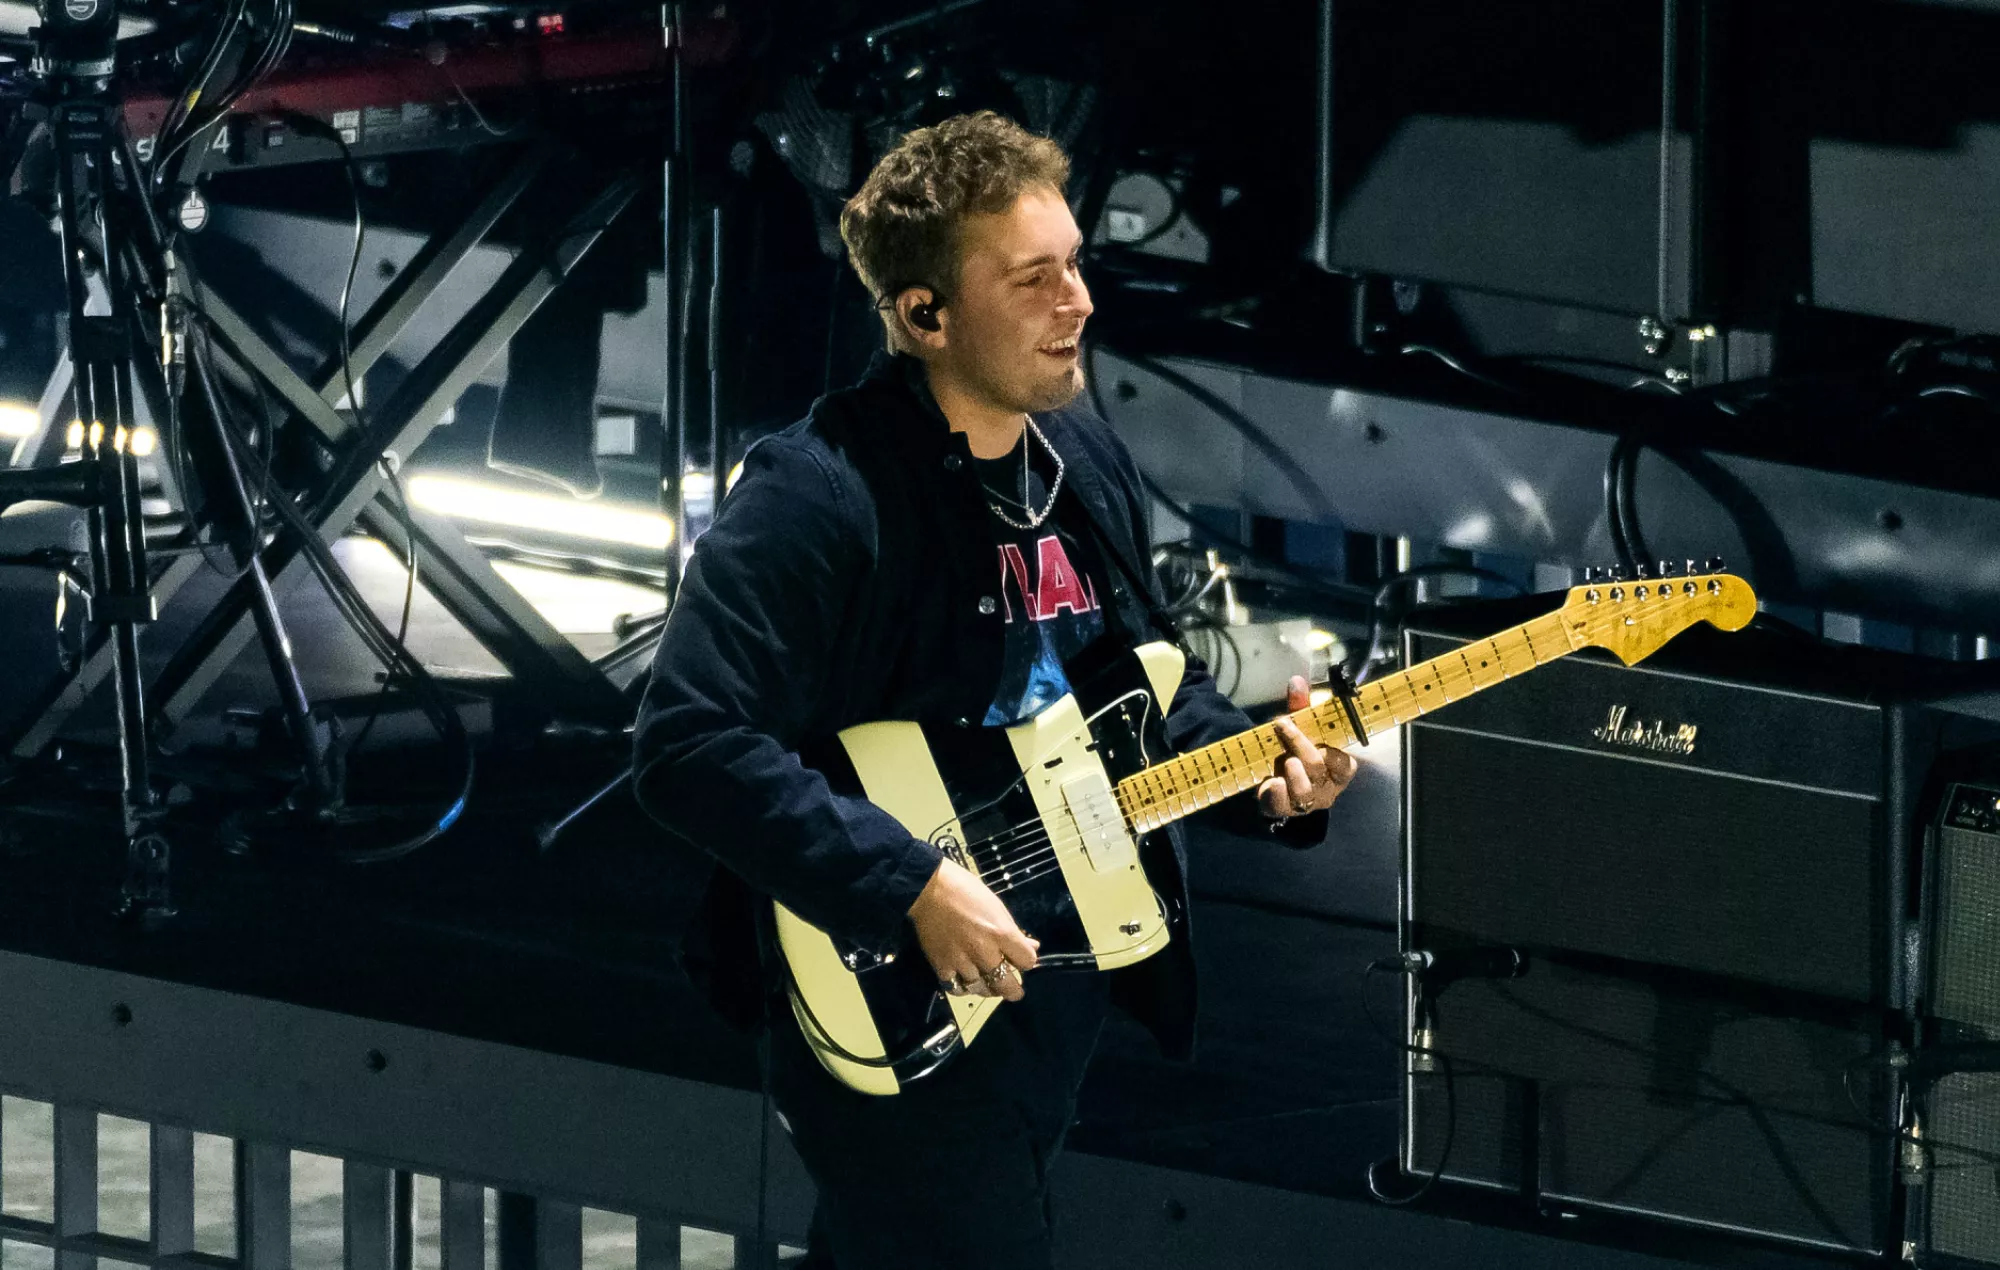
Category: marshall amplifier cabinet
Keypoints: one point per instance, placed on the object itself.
(1707, 862)
(1736, 805)
(1955, 1215)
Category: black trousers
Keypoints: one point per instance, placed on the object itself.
(952, 1172)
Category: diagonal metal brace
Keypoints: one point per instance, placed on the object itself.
(402, 424)
(36, 727)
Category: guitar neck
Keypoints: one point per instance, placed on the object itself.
(1201, 778)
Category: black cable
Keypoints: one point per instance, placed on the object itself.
(1620, 472)
(180, 129)
(1228, 654)
(1621, 501)
(167, 141)
(1378, 609)
(1450, 1095)
(1265, 444)
(1325, 586)
(1645, 378)
(308, 125)
(1454, 363)
(1342, 591)
(354, 609)
(1759, 1117)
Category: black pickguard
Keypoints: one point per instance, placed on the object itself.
(984, 780)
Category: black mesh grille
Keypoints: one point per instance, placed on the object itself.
(1677, 1104)
(1965, 1185)
(1966, 956)
(1962, 1110)
(1526, 844)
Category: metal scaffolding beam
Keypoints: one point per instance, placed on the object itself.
(401, 425)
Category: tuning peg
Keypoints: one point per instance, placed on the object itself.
(1692, 567)
(1642, 571)
(1666, 568)
(1617, 573)
(1715, 564)
(1590, 572)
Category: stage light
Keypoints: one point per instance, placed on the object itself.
(17, 420)
(544, 513)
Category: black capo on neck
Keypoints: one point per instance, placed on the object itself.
(1344, 690)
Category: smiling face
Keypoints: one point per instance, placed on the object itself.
(1007, 338)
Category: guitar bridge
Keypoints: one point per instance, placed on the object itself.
(1100, 824)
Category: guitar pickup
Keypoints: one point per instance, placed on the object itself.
(1099, 824)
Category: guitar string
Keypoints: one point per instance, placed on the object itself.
(1011, 835)
(1197, 788)
(1200, 784)
(1334, 722)
(1025, 832)
(1181, 800)
(1046, 845)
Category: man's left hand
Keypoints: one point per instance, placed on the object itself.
(1308, 778)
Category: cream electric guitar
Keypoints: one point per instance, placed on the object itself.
(1055, 813)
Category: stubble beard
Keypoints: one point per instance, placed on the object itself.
(1056, 393)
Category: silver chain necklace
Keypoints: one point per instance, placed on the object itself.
(1035, 518)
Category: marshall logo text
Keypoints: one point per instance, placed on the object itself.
(1655, 736)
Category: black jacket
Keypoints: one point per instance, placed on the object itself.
(839, 584)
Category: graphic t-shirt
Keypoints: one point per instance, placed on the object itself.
(1050, 583)
(1048, 588)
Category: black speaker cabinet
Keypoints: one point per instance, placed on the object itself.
(1964, 959)
(1605, 1092)
(1708, 859)
(1737, 805)
(1955, 1216)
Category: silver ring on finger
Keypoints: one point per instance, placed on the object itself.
(993, 977)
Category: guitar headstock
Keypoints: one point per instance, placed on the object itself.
(1633, 617)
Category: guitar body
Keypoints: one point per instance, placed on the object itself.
(1057, 814)
(1031, 809)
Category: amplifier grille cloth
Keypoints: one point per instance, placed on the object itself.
(1965, 1189)
(1967, 969)
(1531, 845)
(1681, 1105)
(1964, 1108)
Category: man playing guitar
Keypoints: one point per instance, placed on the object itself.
(939, 542)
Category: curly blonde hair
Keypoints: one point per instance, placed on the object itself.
(901, 227)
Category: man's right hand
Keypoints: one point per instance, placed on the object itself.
(967, 933)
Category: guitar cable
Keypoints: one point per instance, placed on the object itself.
(824, 1039)
(1426, 1011)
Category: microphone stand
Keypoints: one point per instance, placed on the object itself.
(74, 61)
